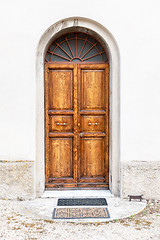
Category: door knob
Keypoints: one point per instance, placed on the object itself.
(81, 134)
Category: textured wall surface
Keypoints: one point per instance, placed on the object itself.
(136, 30)
(141, 178)
(17, 180)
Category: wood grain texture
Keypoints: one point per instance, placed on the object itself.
(93, 124)
(76, 101)
(61, 157)
(92, 157)
(92, 89)
(94, 115)
(60, 89)
(61, 124)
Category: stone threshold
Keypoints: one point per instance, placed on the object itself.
(76, 193)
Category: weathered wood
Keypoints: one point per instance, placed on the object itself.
(92, 179)
(93, 123)
(93, 112)
(61, 89)
(106, 144)
(75, 146)
(60, 185)
(60, 135)
(93, 134)
(92, 89)
(93, 185)
(62, 180)
(59, 123)
(93, 116)
(92, 157)
(47, 148)
(76, 101)
(61, 112)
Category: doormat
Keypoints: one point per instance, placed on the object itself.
(82, 202)
(78, 213)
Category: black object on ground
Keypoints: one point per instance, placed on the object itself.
(140, 197)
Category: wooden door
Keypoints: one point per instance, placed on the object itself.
(76, 125)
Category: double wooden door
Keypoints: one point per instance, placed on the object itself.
(76, 125)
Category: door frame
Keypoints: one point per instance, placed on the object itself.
(100, 32)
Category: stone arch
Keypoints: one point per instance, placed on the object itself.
(100, 32)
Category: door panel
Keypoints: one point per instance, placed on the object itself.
(60, 125)
(76, 125)
(92, 160)
(61, 154)
(61, 85)
(93, 123)
(92, 89)
(93, 115)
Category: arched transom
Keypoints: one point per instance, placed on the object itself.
(76, 47)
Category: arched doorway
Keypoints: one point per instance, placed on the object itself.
(76, 113)
(105, 37)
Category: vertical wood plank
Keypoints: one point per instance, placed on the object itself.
(93, 101)
(75, 148)
(46, 89)
(106, 166)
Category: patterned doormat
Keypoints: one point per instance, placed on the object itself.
(77, 213)
(82, 202)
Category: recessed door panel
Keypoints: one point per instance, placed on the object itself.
(92, 157)
(61, 85)
(92, 87)
(61, 123)
(93, 123)
(61, 158)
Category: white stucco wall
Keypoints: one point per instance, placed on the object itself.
(135, 26)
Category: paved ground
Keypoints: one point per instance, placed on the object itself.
(43, 208)
(18, 225)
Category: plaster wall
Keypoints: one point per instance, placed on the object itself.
(17, 180)
(141, 177)
(134, 25)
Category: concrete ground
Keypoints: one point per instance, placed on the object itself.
(43, 207)
(33, 220)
